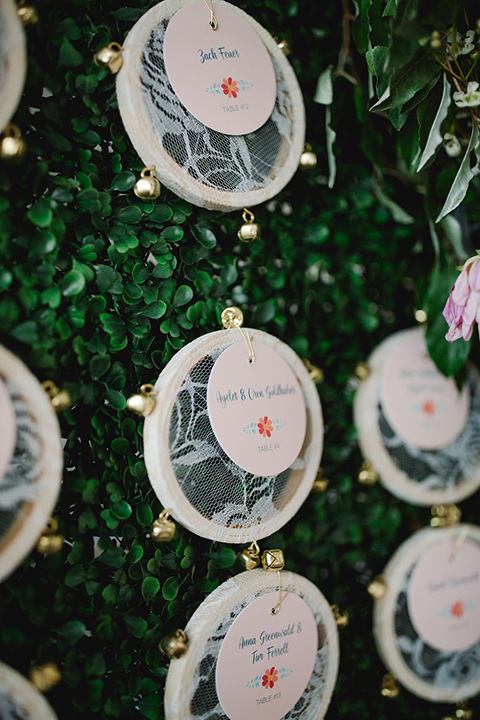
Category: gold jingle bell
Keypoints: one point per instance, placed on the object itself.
(163, 529)
(12, 146)
(284, 46)
(249, 558)
(144, 402)
(60, 399)
(341, 618)
(308, 159)
(45, 676)
(367, 475)
(50, 544)
(445, 516)
(315, 372)
(273, 560)
(378, 587)
(28, 15)
(389, 687)
(110, 57)
(174, 645)
(147, 187)
(250, 230)
(320, 484)
(362, 371)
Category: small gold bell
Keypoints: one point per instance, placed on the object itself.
(341, 618)
(273, 560)
(147, 187)
(232, 317)
(315, 372)
(250, 230)
(163, 529)
(110, 57)
(463, 711)
(308, 159)
(45, 676)
(445, 516)
(362, 371)
(389, 687)
(284, 46)
(249, 558)
(378, 587)
(367, 475)
(50, 544)
(144, 402)
(174, 645)
(320, 483)
(28, 15)
(12, 146)
(60, 399)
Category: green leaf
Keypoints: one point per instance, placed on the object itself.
(203, 282)
(124, 181)
(130, 215)
(155, 310)
(116, 399)
(150, 706)
(331, 137)
(99, 364)
(41, 214)
(361, 25)
(150, 587)
(462, 179)
(435, 137)
(69, 56)
(161, 214)
(183, 295)
(136, 626)
(72, 284)
(170, 588)
(72, 631)
(205, 237)
(172, 233)
(324, 90)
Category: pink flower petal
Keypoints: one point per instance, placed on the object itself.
(467, 331)
(454, 332)
(470, 310)
(474, 276)
(461, 288)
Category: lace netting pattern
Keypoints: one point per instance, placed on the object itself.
(234, 163)
(444, 670)
(9, 710)
(18, 486)
(437, 469)
(215, 485)
(205, 704)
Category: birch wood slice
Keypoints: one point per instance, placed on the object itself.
(206, 167)
(191, 690)
(13, 61)
(204, 489)
(31, 481)
(430, 673)
(418, 475)
(19, 699)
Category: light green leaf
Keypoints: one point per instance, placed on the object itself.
(331, 136)
(398, 214)
(324, 91)
(453, 230)
(462, 179)
(435, 139)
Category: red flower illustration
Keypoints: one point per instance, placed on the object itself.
(457, 609)
(429, 407)
(270, 678)
(230, 87)
(265, 427)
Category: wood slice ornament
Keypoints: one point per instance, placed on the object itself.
(218, 113)
(418, 431)
(232, 447)
(13, 61)
(30, 461)
(244, 660)
(427, 625)
(19, 699)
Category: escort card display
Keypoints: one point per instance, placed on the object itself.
(217, 112)
(233, 446)
(13, 61)
(420, 432)
(262, 645)
(427, 625)
(30, 461)
(19, 699)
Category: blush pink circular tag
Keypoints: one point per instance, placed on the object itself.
(422, 406)
(444, 595)
(257, 411)
(224, 77)
(8, 429)
(266, 661)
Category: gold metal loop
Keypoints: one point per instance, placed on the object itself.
(276, 607)
(232, 317)
(248, 216)
(213, 22)
(148, 389)
(147, 171)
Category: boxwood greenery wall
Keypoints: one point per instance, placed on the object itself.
(333, 275)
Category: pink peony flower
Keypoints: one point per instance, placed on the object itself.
(462, 309)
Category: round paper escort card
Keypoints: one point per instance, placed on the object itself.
(418, 430)
(427, 625)
(225, 78)
(13, 61)
(244, 660)
(19, 699)
(218, 113)
(232, 448)
(30, 461)
(257, 410)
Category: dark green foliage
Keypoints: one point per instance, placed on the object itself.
(81, 303)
